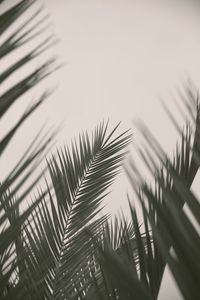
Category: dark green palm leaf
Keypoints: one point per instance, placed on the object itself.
(11, 216)
(162, 206)
(55, 238)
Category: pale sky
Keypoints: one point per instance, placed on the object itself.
(121, 56)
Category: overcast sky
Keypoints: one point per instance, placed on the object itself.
(121, 56)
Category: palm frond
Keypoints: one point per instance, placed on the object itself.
(163, 205)
(55, 238)
(14, 36)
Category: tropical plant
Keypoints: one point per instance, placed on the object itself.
(132, 258)
(21, 175)
(59, 247)
(38, 243)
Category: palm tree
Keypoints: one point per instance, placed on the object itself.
(59, 247)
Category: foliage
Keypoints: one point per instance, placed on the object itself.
(12, 39)
(37, 244)
(59, 247)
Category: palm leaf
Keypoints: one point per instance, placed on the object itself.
(12, 38)
(54, 238)
(167, 198)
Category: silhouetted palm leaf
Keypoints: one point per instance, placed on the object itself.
(167, 200)
(136, 272)
(12, 38)
(55, 238)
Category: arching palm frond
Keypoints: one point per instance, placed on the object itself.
(163, 205)
(15, 34)
(55, 241)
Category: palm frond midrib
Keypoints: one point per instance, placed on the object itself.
(88, 167)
